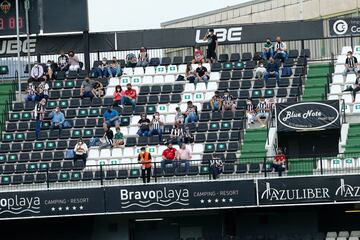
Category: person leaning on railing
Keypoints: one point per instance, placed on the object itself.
(279, 162)
(144, 158)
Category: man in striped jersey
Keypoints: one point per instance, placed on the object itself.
(280, 49)
(262, 112)
(350, 65)
(250, 112)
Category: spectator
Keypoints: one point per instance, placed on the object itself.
(216, 166)
(168, 156)
(183, 156)
(270, 103)
(260, 71)
(118, 138)
(129, 96)
(198, 55)
(357, 87)
(179, 116)
(272, 69)
(114, 68)
(98, 89)
(63, 62)
(279, 162)
(144, 158)
(39, 112)
(51, 67)
(111, 117)
(131, 60)
(176, 134)
(102, 69)
(156, 125)
(188, 136)
(350, 65)
(31, 92)
(250, 112)
(118, 93)
(262, 112)
(216, 102)
(143, 58)
(191, 113)
(212, 46)
(107, 139)
(74, 63)
(37, 71)
(268, 49)
(80, 151)
(228, 102)
(144, 126)
(57, 119)
(86, 89)
(43, 89)
(280, 49)
(189, 73)
(201, 74)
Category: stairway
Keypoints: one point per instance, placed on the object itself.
(5, 93)
(353, 139)
(316, 82)
(253, 148)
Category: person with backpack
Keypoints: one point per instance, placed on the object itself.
(144, 158)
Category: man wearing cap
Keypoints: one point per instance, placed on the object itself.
(212, 45)
(144, 158)
(350, 65)
(168, 156)
(129, 97)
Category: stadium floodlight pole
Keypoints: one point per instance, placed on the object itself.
(18, 47)
(27, 7)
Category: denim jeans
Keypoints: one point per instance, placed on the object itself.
(127, 100)
(114, 72)
(143, 133)
(30, 98)
(280, 55)
(215, 171)
(37, 128)
(267, 54)
(142, 64)
(278, 168)
(60, 127)
(102, 72)
(216, 106)
(166, 162)
(157, 131)
(204, 78)
(186, 163)
(87, 95)
(350, 70)
(266, 76)
(191, 117)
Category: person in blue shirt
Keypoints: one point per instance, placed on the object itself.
(272, 69)
(57, 119)
(111, 117)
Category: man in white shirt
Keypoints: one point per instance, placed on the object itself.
(37, 71)
(280, 49)
(80, 151)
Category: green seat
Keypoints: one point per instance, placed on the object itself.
(51, 104)
(75, 176)
(225, 126)
(221, 147)
(214, 126)
(13, 158)
(69, 84)
(239, 66)
(256, 93)
(94, 112)
(269, 93)
(32, 167)
(150, 109)
(204, 170)
(76, 134)
(8, 137)
(39, 146)
(5, 180)
(227, 66)
(114, 162)
(15, 117)
(209, 148)
(57, 85)
(125, 121)
(125, 80)
(19, 137)
(45, 125)
(134, 173)
(83, 113)
(44, 167)
(64, 177)
(88, 133)
(2, 158)
(50, 145)
(63, 104)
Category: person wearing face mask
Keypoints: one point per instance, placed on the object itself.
(272, 69)
(228, 102)
(179, 116)
(111, 117)
(191, 113)
(98, 89)
(57, 119)
(86, 89)
(74, 62)
(144, 126)
(216, 102)
(262, 111)
(280, 49)
(268, 49)
(102, 69)
(43, 89)
(176, 134)
(156, 125)
(31, 92)
(37, 71)
(114, 68)
(63, 62)
(350, 65)
(260, 71)
(38, 113)
(143, 58)
(50, 69)
(250, 112)
(118, 93)
(198, 55)
(168, 156)
(201, 75)
(80, 151)
(212, 46)
(144, 158)
(129, 97)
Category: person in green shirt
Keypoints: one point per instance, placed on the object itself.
(268, 49)
(119, 138)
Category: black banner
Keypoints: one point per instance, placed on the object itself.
(308, 116)
(196, 195)
(344, 26)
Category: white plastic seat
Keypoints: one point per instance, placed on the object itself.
(350, 78)
(214, 76)
(345, 49)
(348, 108)
(150, 71)
(147, 80)
(194, 66)
(338, 79)
(200, 87)
(105, 153)
(162, 108)
(170, 118)
(212, 86)
(324, 164)
(182, 68)
(139, 71)
(199, 97)
(133, 130)
(187, 97)
(93, 153)
(160, 70)
(331, 234)
(117, 152)
(189, 87)
(339, 68)
(128, 152)
(356, 108)
(125, 80)
(124, 131)
(208, 96)
(198, 148)
(172, 69)
(170, 78)
(348, 163)
(347, 98)
(183, 107)
(336, 164)
(353, 238)
(172, 108)
(208, 66)
(125, 163)
(343, 234)
(341, 59)
(91, 163)
(110, 91)
(341, 238)
(199, 106)
(136, 81)
(355, 233)
(113, 82)
(128, 71)
(158, 79)
(333, 97)
(161, 149)
(335, 89)
(103, 162)
(134, 120)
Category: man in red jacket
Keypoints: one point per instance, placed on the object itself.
(168, 156)
(279, 162)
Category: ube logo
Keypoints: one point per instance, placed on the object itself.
(17, 205)
(308, 116)
(163, 197)
(232, 34)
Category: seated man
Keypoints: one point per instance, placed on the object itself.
(354, 89)
(183, 156)
(179, 116)
(98, 89)
(228, 102)
(102, 69)
(118, 138)
(262, 111)
(280, 49)
(37, 71)
(107, 139)
(168, 156)
(80, 151)
(216, 102)
(216, 166)
(350, 65)
(268, 49)
(279, 162)
(250, 112)
(57, 119)
(74, 62)
(144, 126)
(111, 117)
(260, 71)
(176, 134)
(43, 89)
(129, 96)
(198, 56)
(191, 113)
(156, 125)
(86, 88)
(31, 92)
(63, 62)
(201, 74)
(272, 69)
(114, 68)
(143, 58)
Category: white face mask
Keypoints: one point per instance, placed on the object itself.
(261, 65)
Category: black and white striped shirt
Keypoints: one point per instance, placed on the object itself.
(351, 62)
(249, 107)
(177, 132)
(155, 123)
(262, 106)
(281, 46)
